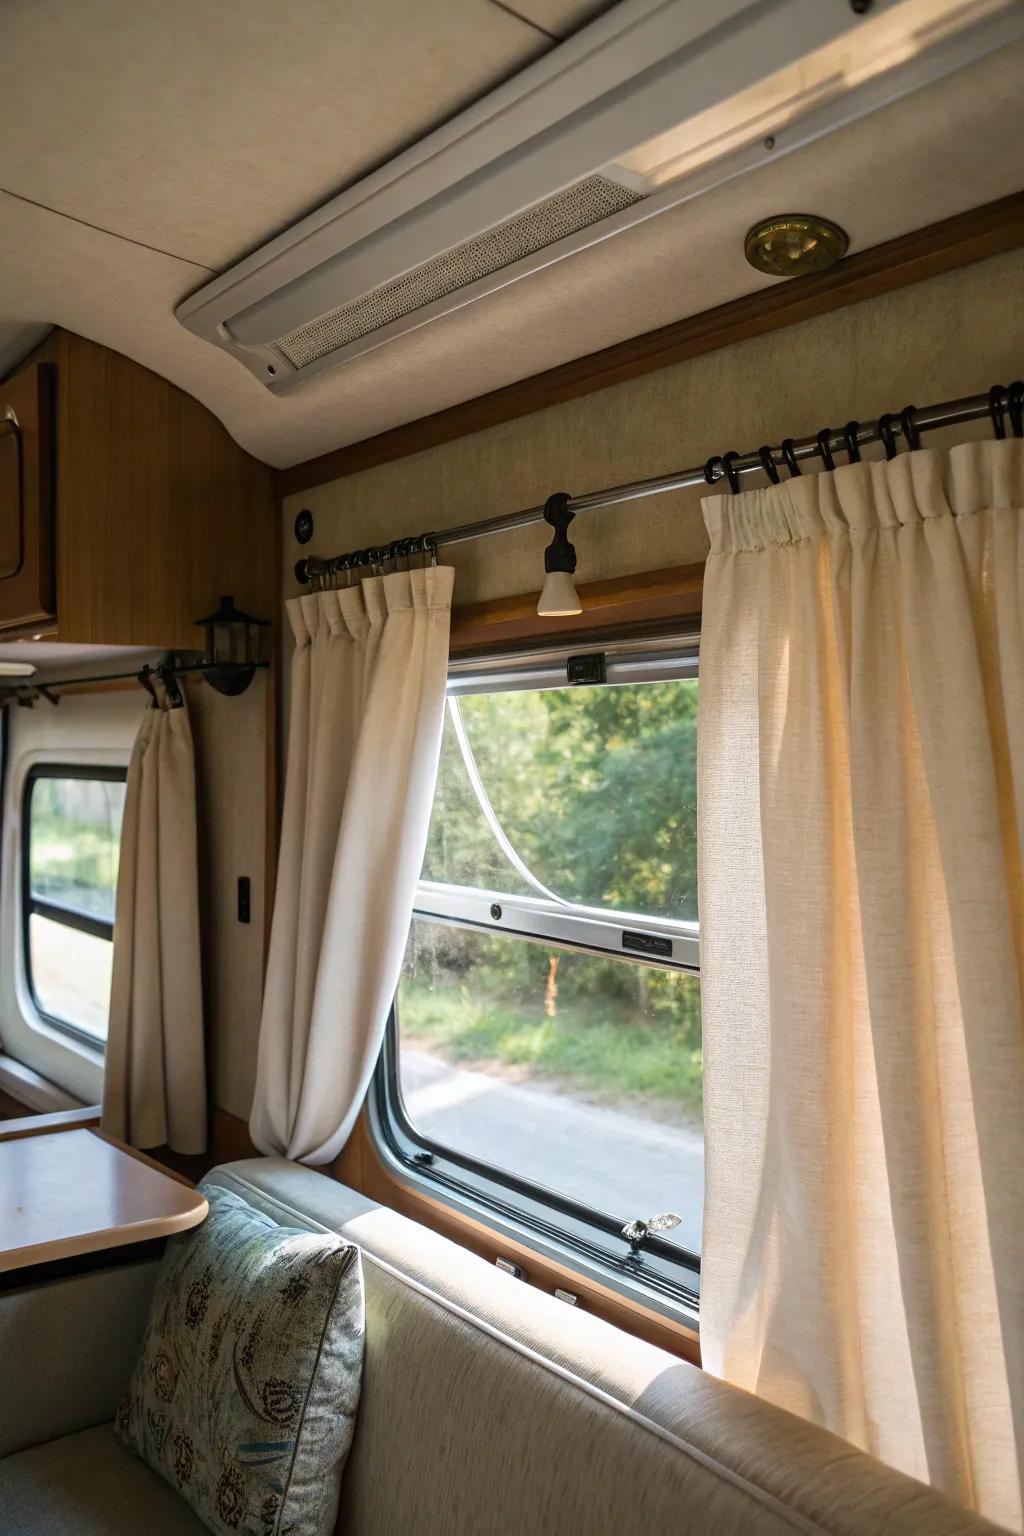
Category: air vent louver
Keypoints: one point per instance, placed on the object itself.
(576, 208)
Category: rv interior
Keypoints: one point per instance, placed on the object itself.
(512, 767)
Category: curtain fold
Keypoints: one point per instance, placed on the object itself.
(367, 708)
(154, 1083)
(861, 815)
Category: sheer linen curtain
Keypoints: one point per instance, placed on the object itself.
(367, 707)
(154, 1083)
(861, 805)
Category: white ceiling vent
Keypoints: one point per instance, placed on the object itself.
(652, 104)
(568, 212)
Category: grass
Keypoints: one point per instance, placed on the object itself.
(611, 1060)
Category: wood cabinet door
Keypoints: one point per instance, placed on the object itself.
(26, 498)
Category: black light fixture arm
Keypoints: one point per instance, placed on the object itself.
(995, 404)
(560, 554)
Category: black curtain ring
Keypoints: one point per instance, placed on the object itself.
(850, 439)
(1015, 396)
(729, 465)
(789, 454)
(711, 473)
(768, 464)
(886, 433)
(825, 447)
(911, 435)
(995, 409)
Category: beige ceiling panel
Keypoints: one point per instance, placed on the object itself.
(559, 17)
(203, 127)
(948, 149)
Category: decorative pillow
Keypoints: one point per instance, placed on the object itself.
(244, 1396)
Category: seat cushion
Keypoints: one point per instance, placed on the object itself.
(245, 1392)
(88, 1485)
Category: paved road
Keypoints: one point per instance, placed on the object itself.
(607, 1157)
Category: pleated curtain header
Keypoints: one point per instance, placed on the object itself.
(356, 609)
(860, 498)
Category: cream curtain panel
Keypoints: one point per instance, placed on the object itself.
(367, 708)
(154, 1084)
(861, 802)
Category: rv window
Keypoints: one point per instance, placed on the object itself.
(544, 1058)
(72, 827)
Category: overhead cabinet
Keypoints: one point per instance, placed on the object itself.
(126, 509)
(26, 498)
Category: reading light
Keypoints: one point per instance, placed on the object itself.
(559, 598)
(16, 669)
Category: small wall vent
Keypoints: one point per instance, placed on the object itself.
(578, 207)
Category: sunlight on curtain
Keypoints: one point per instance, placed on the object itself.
(861, 817)
(367, 707)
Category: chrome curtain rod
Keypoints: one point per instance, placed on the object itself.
(997, 404)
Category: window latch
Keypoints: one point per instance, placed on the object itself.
(637, 1232)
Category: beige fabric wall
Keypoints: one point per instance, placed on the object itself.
(230, 745)
(952, 335)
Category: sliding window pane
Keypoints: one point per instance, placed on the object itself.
(70, 974)
(579, 1072)
(74, 842)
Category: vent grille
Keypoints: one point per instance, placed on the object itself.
(578, 207)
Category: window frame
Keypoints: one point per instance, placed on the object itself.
(55, 911)
(665, 1275)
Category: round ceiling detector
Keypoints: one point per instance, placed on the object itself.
(793, 244)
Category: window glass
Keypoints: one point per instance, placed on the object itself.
(574, 1070)
(75, 841)
(72, 846)
(547, 1025)
(594, 787)
(70, 974)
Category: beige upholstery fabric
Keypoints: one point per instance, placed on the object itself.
(89, 1485)
(367, 701)
(154, 1082)
(50, 1387)
(489, 1407)
(861, 799)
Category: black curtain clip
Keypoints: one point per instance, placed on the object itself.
(911, 435)
(729, 464)
(825, 447)
(789, 454)
(167, 676)
(711, 472)
(1015, 399)
(886, 433)
(146, 679)
(768, 464)
(850, 432)
(995, 409)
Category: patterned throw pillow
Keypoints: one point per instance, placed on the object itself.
(244, 1396)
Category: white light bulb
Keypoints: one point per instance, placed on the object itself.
(559, 598)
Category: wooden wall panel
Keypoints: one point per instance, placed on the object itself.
(160, 510)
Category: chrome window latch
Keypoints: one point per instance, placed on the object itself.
(637, 1232)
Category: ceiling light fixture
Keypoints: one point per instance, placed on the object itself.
(794, 244)
(559, 599)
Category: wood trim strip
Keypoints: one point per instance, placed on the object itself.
(663, 596)
(359, 1167)
(47, 1125)
(942, 247)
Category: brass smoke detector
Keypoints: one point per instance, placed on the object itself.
(793, 244)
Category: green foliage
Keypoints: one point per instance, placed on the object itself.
(76, 842)
(596, 790)
(590, 1053)
(594, 787)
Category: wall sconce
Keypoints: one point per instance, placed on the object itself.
(559, 599)
(232, 647)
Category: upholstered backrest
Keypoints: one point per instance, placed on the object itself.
(489, 1407)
